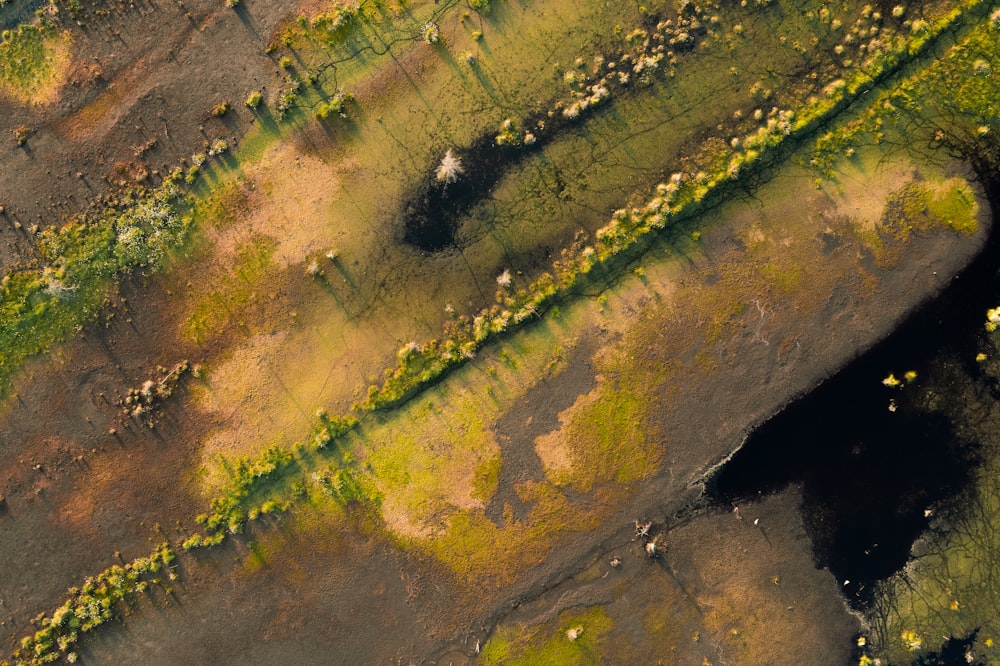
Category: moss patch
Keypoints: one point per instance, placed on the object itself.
(954, 204)
(606, 440)
(34, 63)
(575, 638)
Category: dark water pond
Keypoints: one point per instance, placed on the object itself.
(870, 460)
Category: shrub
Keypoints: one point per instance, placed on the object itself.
(431, 33)
(450, 168)
(254, 99)
(21, 134)
(220, 109)
(334, 105)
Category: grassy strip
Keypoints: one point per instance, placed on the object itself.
(80, 262)
(955, 103)
(90, 606)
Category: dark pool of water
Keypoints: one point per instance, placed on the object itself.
(867, 473)
(432, 213)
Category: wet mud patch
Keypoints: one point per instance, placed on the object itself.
(869, 481)
(535, 415)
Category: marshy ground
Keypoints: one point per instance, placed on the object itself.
(433, 411)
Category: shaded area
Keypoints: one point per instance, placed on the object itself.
(955, 651)
(867, 474)
(431, 214)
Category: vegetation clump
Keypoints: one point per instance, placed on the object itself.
(80, 260)
(254, 99)
(431, 33)
(336, 105)
(98, 600)
(21, 134)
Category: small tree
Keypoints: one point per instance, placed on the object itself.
(450, 168)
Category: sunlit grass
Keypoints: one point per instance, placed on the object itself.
(34, 61)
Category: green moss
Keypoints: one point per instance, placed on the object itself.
(608, 441)
(920, 205)
(550, 644)
(785, 278)
(487, 478)
(956, 207)
(28, 58)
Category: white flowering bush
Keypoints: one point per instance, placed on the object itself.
(431, 33)
(450, 169)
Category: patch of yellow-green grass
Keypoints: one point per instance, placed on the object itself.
(785, 277)
(435, 466)
(606, 441)
(724, 313)
(226, 204)
(232, 289)
(34, 62)
(575, 638)
(487, 478)
(429, 470)
(319, 523)
(920, 205)
(484, 554)
(954, 204)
